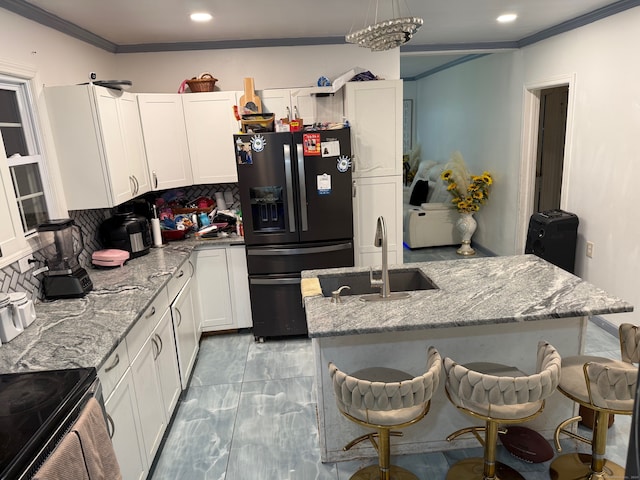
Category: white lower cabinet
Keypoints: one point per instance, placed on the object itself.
(125, 429)
(213, 287)
(156, 381)
(187, 333)
(374, 197)
(142, 402)
(223, 288)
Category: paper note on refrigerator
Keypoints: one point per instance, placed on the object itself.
(324, 184)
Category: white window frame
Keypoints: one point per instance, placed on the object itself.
(24, 78)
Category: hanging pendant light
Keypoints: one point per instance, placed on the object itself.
(386, 34)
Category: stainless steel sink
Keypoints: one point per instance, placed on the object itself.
(359, 283)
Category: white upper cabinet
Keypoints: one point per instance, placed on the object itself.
(210, 125)
(12, 241)
(299, 103)
(99, 143)
(165, 140)
(374, 110)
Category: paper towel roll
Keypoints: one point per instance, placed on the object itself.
(155, 231)
(220, 203)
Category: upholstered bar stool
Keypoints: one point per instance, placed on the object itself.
(606, 386)
(498, 395)
(384, 399)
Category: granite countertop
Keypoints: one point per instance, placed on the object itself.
(70, 333)
(472, 291)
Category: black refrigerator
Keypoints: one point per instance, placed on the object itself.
(296, 199)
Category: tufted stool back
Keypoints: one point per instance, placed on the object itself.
(500, 396)
(629, 343)
(389, 399)
(606, 386)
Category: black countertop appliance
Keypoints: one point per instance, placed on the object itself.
(126, 231)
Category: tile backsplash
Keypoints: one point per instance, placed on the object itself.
(11, 280)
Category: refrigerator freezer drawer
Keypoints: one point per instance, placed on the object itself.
(276, 303)
(279, 259)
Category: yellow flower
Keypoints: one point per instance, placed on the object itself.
(455, 200)
(446, 175)
(486, 178)
(452, 186)
(478, 194)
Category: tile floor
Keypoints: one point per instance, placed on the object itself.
(249, 413)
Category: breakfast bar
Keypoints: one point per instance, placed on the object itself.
(492, 309)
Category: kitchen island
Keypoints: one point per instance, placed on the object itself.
(492, 309)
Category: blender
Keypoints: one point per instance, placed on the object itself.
(63, 277)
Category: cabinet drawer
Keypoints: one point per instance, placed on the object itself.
(146, 323)
(113, 369)
(183, 273)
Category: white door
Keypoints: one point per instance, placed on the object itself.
(12, 241)
(125, 430)
(213, 288)
(186, 332)
(165, 140)
(374, 197)
(239, 285)
(134, 144)
(210, 126)
(375, 112)
(167, 363)
(114, 146)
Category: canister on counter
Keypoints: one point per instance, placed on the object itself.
(10, 326)
(23, 308)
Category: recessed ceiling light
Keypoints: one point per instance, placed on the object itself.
(507, 17)
(201, 17)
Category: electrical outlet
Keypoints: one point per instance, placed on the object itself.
(590, 249)
(24, 263)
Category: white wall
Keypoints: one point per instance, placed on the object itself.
(270, 67)
(58, 59)
(603, 168)
(476, 108)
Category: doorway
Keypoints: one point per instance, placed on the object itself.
(552, 129)
(531, 141)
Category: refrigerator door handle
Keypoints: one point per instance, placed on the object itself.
(270, 251)
(274, 281)
(289, 180)
(303, 189)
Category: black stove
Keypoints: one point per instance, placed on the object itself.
(36, 410)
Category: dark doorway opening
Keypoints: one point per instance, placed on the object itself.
(550, 155)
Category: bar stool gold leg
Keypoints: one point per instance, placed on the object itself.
(584, 466)
(484, 468)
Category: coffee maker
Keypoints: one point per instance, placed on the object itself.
(64, 277)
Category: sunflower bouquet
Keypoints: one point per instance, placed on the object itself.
(468, 191)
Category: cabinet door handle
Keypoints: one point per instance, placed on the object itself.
(155, 180)
(156, 350)
(136, 185)
(181, 274)
(179, 316)
(151, 313)
(115, 363)
(354, 188)
(193, 269)
(132, 185)
(159, 338)
(111, 426)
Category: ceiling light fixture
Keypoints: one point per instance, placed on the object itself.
(386, 34)
(201, 17)
(507, 17)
